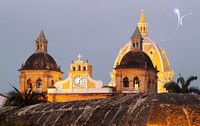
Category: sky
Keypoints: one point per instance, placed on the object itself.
(96, 29)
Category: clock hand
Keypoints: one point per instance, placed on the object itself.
(82, 80)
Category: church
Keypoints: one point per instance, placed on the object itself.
(79, 85)
(140, 67)
(40, 70)
(157, 55)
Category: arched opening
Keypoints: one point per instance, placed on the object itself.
(39, 85)
(136, 83)
(74, 68)
(79, 68)
(29, 84)
(125, 82)
(133, 44)
(137, 45)
(84, 68)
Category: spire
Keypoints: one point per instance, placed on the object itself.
(143, 25)
(142, 17)
(137, 39)
(41, 36)
(41, 43)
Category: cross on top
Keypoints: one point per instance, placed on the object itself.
(79, 56)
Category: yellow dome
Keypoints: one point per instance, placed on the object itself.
(160, 61)
(157, 55)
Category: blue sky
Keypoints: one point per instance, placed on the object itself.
(96, 29)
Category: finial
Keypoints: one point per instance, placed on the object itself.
(79, 56)
(142, 17)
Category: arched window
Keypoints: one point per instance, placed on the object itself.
(136, 83)
(125, 82)
(133, 44)
(137, 45)
(84, 68)
(74, 68)
(39, 83)
(79, 67)
(29, 83)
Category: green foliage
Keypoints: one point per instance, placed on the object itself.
(172, 87)
(16, 98)
(182, 86)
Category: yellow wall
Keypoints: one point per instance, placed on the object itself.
(45, 75)
(73, 97)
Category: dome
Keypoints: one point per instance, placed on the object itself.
(135, 59)
(40, 61)
(157, 55)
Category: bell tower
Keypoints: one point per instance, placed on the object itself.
(40, 71)
(137, 40)
(143, 25)
(41, 43)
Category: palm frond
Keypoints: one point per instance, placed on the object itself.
(15, 88)
(15, 98)
(190, 79)
(172, 87)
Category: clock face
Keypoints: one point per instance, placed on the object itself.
(79, 80)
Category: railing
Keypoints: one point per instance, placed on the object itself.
(134, 90)
(125, 88)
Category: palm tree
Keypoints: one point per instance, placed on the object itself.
(182, 86)
(16, 98)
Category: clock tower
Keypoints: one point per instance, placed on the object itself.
(79, 75)
(79, 81)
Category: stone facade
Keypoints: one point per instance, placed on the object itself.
(40, 80)
(164, 109)
(135, 73)
(143, 86)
